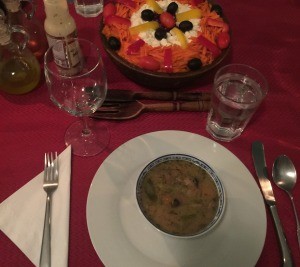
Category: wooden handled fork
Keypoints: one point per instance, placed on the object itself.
(129, 110)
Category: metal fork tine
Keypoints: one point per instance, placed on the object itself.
(45, 167)
(52, 167)
(56, 167)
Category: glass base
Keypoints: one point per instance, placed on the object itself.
(222, 133)
(86, 143)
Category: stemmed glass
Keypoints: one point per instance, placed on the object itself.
(77, 83)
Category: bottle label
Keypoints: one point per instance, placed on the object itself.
(66, 55)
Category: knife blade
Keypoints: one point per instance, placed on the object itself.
(122, 95)
(258, 156)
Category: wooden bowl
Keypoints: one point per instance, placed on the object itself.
(157, 80)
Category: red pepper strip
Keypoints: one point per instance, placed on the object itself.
(128, 3)
(114, 19)
(218, 23)
(197, 2)
(135, 47)
(109, 9)
(149, 63)
(168, 65)
(209, 45)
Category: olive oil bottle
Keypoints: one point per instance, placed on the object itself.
(19, 69)
(24, 15)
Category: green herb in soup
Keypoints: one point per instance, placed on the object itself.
(179, 197)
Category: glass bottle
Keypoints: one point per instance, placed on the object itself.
(23, 15)
(59, 24)
(19, 68)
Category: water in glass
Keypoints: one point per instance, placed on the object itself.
(234, 101)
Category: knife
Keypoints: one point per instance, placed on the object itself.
(258, 156)
(117, 95)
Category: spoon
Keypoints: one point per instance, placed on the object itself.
(285, 177)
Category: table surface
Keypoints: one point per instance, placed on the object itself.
(265, 35)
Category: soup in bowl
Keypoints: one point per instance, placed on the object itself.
(180, 195)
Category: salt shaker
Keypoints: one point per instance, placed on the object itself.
(59, 24)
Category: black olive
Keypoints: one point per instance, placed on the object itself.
(114, 43)
(147, 15)
(194, 64)
(218, 9)
(185, 26)
(172, 8)
(175, 203)
(160, 33)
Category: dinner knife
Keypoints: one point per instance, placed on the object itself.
(258, 156)
(122, 95)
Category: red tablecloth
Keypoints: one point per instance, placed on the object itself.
(265, 35)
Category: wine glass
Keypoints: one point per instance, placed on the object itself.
(77, 83)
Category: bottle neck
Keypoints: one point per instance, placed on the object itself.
(56, 9)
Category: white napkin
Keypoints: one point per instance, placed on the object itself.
(22, 215)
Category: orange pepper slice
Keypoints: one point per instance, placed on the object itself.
(155, 6)
(151, 25)
(190, 14)
(180, 36)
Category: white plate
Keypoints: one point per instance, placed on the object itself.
(123, 237)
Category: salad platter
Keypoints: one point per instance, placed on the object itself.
(165, 44)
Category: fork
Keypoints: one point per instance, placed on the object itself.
(129, 110)
(50, 185)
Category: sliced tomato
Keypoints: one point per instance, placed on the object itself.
(149, 63)
(218, 23)
(109, 9)
(223, 40)
(114, 19)
(209, 45)
(135, 47)
(168, 62)
(167, 20)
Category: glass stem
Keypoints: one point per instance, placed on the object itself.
(86, 129)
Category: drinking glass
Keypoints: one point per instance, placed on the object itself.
(79, 90)
(88, 8)
(237, 92)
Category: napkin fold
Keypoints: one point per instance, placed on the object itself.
(22, 215)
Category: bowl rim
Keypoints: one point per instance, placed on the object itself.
(202, 164)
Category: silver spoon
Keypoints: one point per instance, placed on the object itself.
(285, 177)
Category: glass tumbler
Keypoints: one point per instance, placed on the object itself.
(237, 92)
